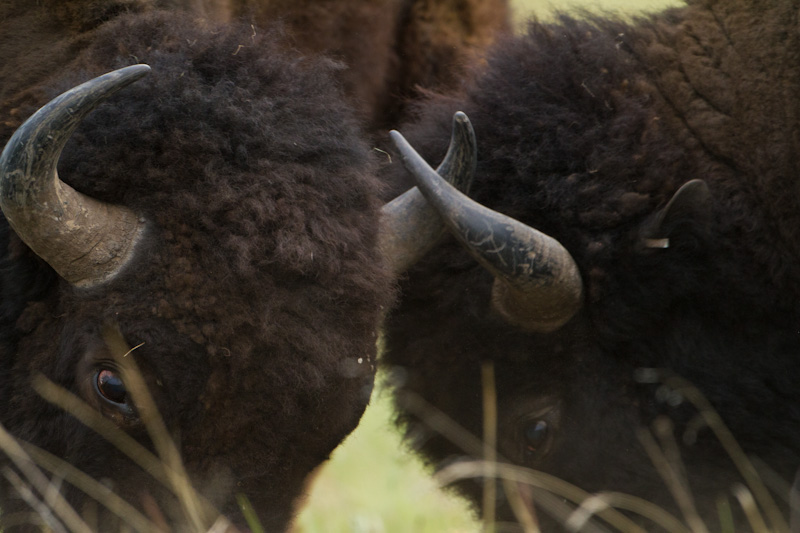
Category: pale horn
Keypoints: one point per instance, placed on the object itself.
(410, 227)
(537, 286)
(85, 241)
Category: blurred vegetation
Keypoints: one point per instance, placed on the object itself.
(373, 484)
(523, 9)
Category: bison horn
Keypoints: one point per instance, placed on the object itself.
(85, 241)
(537, 284)
(410, 226)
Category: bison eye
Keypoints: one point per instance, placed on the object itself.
(110, 386)
(536, 430)
(536, 435)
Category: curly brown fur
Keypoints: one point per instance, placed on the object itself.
(258, 289)
(585, 130)
(390, 49)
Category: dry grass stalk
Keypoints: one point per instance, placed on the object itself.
(162, 472)
(541, 480)
(548, 485)
(670, 469)
(522, 507)
(734, 451)
(745, 498)
(22, 518)
(223, 525)
(435, 419)
(561, 510)
(94, 489)
(489, 445)
(626, 502)
(102, 426)
(43, 515)
(777, 485)
(199, 514)
(664, 430)
(41, 484)
(168, 469)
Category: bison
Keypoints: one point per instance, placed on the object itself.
(646, 173)
(204, 245)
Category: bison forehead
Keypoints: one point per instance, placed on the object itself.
(254, 181)
(204, 296)
(216, 140)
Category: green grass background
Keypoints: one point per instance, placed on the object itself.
(372, 484)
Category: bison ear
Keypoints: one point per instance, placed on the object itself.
(689, 204)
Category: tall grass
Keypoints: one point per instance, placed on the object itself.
(373, 486)
(402, 497)
(365, 493)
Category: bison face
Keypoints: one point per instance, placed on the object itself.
(569, 414)
(562, 409)
(245, 284)
(214, 302)
(241, 425)
(580, 409)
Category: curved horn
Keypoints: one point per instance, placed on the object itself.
(86, 241)
(410, 227)
(537, 283)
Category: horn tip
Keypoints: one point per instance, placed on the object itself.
(136, 71)
(398, 139)
(460, 116)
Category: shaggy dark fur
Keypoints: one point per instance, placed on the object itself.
(392, 48)
(585, 130)
(389, 49)
(257, 291)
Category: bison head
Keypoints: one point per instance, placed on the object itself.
(211, 295)
(593, 132)
(579, 408)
